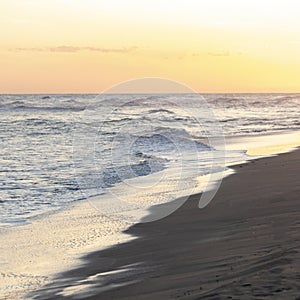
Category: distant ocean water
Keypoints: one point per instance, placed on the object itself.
(42, 167)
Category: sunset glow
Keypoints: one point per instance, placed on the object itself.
(211, 45)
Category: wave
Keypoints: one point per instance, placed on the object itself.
(118, 120)
(227, 98)
(112, 176)
(96, 182)
(166, 140)
(147, 152)
(21, 105)
(154, 111)
(229, 120)
(287, 97)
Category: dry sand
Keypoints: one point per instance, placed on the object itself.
(244, 245)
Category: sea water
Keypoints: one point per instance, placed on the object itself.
(56, 149)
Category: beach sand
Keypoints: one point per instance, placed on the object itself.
(30, 255)
(244, 245)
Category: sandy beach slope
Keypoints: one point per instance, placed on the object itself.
(244, 245)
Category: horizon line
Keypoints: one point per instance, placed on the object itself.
(130, 93)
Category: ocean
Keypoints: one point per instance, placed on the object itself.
(57, 149)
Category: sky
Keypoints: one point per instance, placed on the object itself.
(87, 46)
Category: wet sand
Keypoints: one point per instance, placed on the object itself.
(244, 245)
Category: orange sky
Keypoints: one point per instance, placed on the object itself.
(86, 46)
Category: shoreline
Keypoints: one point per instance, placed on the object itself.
(243, 244)
(55, 246)
(239, 143)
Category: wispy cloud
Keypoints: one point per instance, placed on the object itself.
(225, 53)
(74, 49)
(215, 53)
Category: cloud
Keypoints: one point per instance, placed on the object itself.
(74, 49)
(216, 54)
(225, 53)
